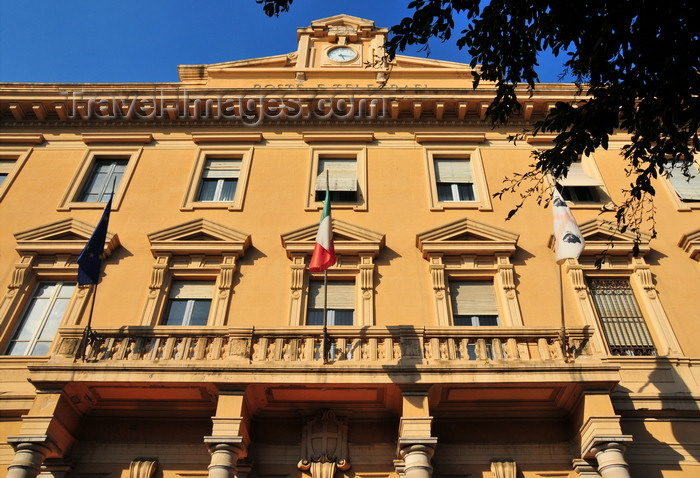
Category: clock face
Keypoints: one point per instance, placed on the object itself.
(342, 54)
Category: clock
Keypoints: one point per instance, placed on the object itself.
(342, 54)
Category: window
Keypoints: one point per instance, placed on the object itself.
(41, 319)
(473, 303)
(105, 173)
(687, 189)
(341, 303)
(188, 303)
(11, 162)
(471, 273)
(582, 183)
(454, 180)
(340, 175)
(206, 254)
(346, 169)
(92, 182)
(620, 318)
(351, 279)
(6, 166)
(219, 180)
(35, 303)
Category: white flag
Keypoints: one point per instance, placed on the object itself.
(569, 242)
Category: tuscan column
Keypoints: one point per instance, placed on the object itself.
(30, 453)
(44, 433)
(228, 441)
(601, 435)
(416, 445)
(611, 461)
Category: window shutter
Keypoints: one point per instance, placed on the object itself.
(453, 171)
(686, 189)
(342, 174)
(577, 176)
(622, 321)
(191, 290)
(473, 298)
(341, 295)
(222, 169)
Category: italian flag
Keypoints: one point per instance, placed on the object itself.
(324, 253)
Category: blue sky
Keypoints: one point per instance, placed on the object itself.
(52, 41)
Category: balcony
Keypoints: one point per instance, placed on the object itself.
(301, 346)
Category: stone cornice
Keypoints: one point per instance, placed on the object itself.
(32, 104)
(690, 243)
(348, 239)
(67, 236)
(199, 236)
(467, 236)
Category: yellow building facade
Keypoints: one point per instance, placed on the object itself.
(445, 321)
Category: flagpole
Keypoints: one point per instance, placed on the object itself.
(326, 340)
(326, 345)
(88, 335)
(562, 333)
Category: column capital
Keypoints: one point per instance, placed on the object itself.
(611, 460)
(412, 445)
(225, 441)
(416, 454)
(225, 452)
(39, 441)
(598, 443)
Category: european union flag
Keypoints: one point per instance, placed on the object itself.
(90, 260)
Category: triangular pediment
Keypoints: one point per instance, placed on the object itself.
(348, 238)
(202, 236)
(605, 237)
(67, 236)
(467, 236)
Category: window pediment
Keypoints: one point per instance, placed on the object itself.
(467, 236)
(348, 239)
(603, 237)
(199, 236)
(67, 236)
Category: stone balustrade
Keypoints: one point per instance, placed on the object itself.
(400, 344)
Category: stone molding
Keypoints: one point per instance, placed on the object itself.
(143, 468)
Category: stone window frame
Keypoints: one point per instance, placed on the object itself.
(343, 150)
(356, 249)
(204, 152)
(178, 257)
(71, 198)
(602, 240)
(485, 257)
(19, 156)
(679, 203)
(473, 155)
(42, 259)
